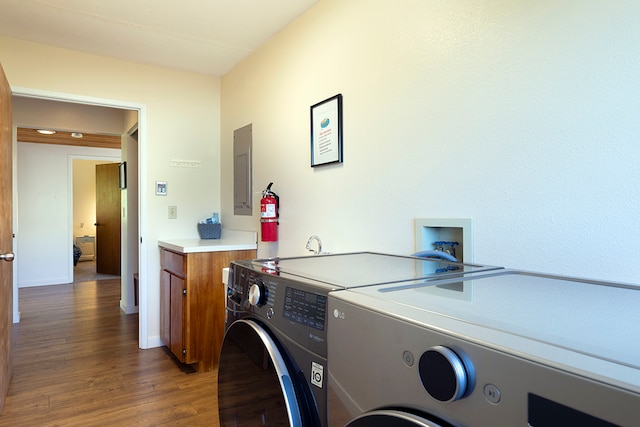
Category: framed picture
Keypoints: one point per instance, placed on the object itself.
(326, 131)
(122, 175)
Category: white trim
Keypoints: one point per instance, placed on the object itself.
(143, 340)
(78, 99)
(128, 309)
(14, 241)
(155, 342)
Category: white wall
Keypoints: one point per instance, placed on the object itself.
(43, 113)
(182, 121)
(130, 218)
(520, 115)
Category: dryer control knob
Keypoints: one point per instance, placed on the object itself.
(257, 294)
(443, 374)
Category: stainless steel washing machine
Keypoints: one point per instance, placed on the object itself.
(507, 348)
(273, 361)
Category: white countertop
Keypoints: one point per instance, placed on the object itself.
(230, 240)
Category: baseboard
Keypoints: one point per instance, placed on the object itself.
(154, 342)
(128, 309)
(44, 282)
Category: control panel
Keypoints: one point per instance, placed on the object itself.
(296, 309)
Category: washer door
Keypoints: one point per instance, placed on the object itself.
(393, 418)
(254, 383)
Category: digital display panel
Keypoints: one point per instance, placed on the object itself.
(305, 308)
(544, 412)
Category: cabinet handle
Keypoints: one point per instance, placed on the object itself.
(184, 291)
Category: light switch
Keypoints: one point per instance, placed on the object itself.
(173, 212)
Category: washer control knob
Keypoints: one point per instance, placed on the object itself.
(443, 374)
(258, 294)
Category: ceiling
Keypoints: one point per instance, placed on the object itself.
(205, 36)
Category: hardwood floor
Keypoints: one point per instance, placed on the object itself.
(77, 363)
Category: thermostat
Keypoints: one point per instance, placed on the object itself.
(161, 188)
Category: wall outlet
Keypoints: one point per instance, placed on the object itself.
(173, 212)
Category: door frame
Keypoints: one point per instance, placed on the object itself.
(70, 160)
(143, 340)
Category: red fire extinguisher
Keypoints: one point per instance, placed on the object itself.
(269, 205)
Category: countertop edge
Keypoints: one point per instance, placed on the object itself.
(231, 240)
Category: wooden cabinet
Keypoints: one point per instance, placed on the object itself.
(192, 304)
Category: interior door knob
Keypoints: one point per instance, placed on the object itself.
(7, 257)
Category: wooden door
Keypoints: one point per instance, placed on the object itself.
(6, 239)
(108, 251)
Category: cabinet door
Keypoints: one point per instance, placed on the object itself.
(165, 307)
(177, 345)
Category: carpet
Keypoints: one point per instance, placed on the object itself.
(85, 271)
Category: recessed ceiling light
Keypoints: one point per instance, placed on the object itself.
(46, 131)
(76, 134)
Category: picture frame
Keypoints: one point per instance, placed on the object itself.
(326, 131)
(122, 175)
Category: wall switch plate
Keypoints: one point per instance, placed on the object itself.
(173, 212)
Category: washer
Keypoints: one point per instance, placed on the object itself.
(273, 362)
(506, 348)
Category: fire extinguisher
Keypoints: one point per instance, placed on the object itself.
(269, 205)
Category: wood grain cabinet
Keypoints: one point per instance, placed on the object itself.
(192, 304)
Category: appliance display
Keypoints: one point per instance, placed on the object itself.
(306, 308)
(504, 348)
(273, 362)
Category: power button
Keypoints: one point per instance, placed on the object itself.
(492, 393)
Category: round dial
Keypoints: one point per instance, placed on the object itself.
(258, 293)
(443, 374)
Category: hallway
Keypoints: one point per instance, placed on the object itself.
(77, 363)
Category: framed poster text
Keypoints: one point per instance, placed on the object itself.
(326, 131)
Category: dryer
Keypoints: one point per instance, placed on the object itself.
(273, 362)
(506, 348)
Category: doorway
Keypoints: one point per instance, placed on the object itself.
(139, 250)
(90, 193)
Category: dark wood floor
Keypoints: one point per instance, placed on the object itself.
(77, 363)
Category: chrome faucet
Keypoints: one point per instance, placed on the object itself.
(312, 238)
